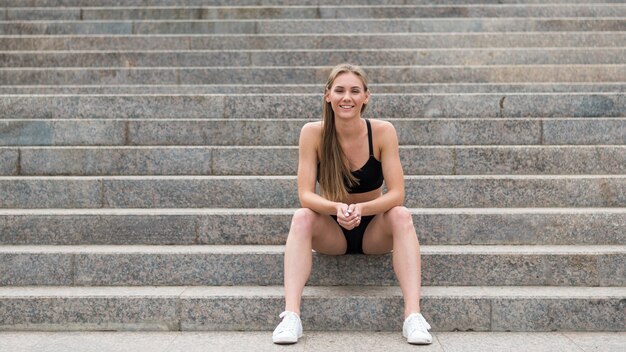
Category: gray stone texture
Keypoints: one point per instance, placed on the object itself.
(258, 265)
(299, 106)
(102, 3)
(100, 229)
(281, 192)
(401, 57)
(424, 160)
(564, 314)
(109, 341)
(118, 161)
(311, 75)
(308, 12)
(113, 311)
(9, 161)
(418, 25)
(36, 268)
(270, 227)
(384, 88)
(225, 308)
(316, 41)
(62, 132)
(112, 107)
(50, 193)
(201, 192)
(285, 132)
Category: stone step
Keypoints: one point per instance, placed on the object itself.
(269, 160)
(280, 191)
(474, 308)
(100, 3)
(418, 25)
(285, 132)
(246, 58)
(355, 41)
(313, 74)
(313, 12)
(384, 88)
(450, 265)
(308, 106)
(492, 226)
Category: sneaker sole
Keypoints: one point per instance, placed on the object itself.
(286, 341)
(420, 342)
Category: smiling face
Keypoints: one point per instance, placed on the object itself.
(347, 95)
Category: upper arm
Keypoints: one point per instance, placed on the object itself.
(308, 157)
(390, 158)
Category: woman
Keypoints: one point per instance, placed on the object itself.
(349, 155)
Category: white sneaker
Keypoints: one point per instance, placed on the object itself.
(289, 330)
(415, 330)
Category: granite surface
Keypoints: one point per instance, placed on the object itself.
(311, 75)
(62, 132)
(236, 265)
(306, 106)
(280, 191)
(376, 57)
(99, 229)
(317, 41)
(194, 13)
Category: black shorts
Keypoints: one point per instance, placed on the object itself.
(354, 237)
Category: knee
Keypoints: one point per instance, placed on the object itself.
(401, 221)
(302, 221)
(400, 216)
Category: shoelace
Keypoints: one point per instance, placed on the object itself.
(417, 322)
(289, 323)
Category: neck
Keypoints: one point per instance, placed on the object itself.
(346, 129)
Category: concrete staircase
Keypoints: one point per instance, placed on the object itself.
(148, 158)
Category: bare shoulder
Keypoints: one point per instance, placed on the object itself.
(311, 134)
(383, 129)
(314, 128)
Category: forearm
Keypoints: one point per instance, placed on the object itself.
(318, 203)
(382, 203)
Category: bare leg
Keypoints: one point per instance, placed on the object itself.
(309, 230)
(394, 230)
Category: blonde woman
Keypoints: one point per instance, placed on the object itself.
(349, 156)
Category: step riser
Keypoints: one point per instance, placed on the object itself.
(120, 269)
(586, 56)
(143, 3)
(189, 312)
(315, 89)
(283, 161)
(295, 75)
(285, 132)
(281, 192)
(326, 12)
(314, 26)
(307, 41)
(563, 228)
(309, 106)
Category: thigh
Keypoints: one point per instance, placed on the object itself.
(378, 238)
(328, 236)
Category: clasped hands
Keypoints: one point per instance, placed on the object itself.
(349, 216)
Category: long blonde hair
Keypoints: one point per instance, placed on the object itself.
(334, 175)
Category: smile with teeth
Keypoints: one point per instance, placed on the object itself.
(346, 106)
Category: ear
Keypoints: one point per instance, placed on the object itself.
(367, 97)
(326, 95)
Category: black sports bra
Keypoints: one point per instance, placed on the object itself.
(370, 175)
